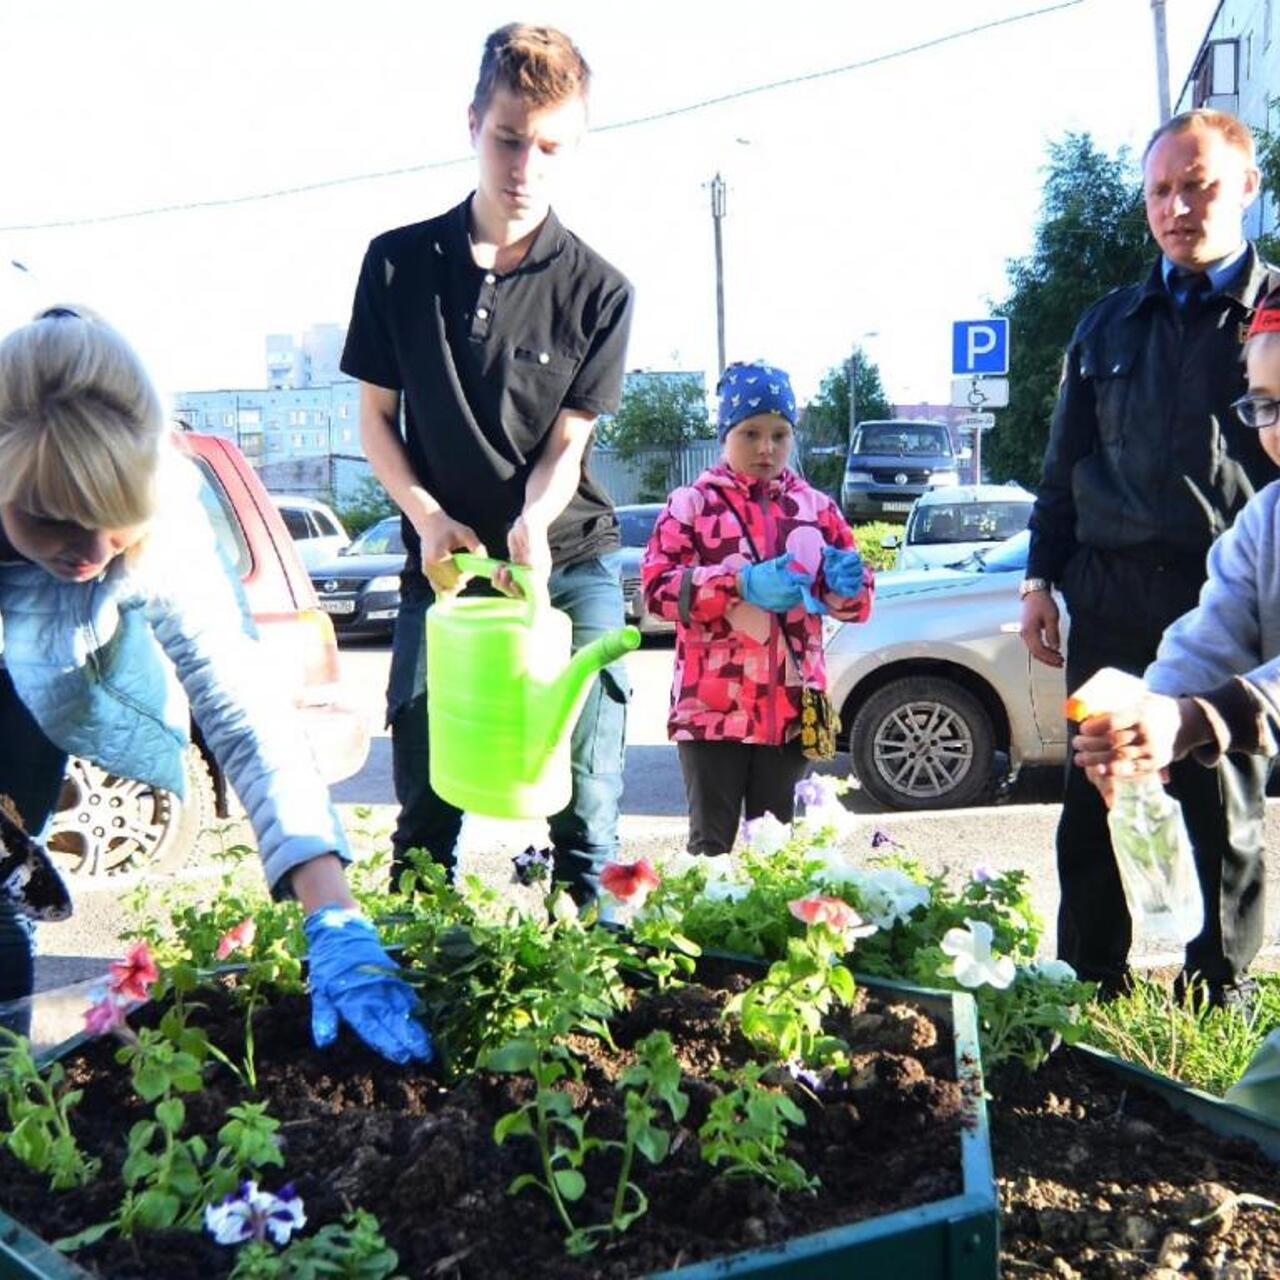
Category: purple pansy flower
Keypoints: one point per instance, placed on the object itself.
(533, 866)
(250, 1214)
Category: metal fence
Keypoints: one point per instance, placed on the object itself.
(622, 479)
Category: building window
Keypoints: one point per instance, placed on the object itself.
(346, 436)
(228, 419)
(296, 440)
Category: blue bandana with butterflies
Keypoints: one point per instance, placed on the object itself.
(750, 388)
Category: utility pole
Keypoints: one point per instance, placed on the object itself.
(1162, 59)
(855, 361)
(717, 213)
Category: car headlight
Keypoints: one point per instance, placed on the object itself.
(385, 582)
(945, 477)
(859, 477)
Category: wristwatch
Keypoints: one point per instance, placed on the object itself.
(1028, 585)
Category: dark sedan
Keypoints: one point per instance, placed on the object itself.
(360, 587)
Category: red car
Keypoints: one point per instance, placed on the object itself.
(106, 825)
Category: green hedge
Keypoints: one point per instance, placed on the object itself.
(869, 535)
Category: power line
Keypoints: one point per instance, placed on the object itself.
(653, 117)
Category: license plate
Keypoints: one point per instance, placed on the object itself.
(896, 506)
(338, 606)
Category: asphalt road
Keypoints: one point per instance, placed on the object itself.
(1016, 833)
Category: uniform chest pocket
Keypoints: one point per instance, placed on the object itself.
(1109, 366)
(536, 382)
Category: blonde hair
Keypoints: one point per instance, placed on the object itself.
(81, 424)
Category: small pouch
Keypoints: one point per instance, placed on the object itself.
(818, 724)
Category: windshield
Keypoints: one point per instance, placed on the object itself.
(902, 438)
(943, 522)
(636, 524)
(1009, 557)
(383, 539)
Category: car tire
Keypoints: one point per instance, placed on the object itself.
(923, 742)
(108, 826)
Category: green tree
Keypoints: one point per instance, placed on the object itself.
(824, 424)
(368, 504)
(1091, 238)
(1269, 162)
(658, 416)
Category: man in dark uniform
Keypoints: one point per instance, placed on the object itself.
(504, 336)
(1146, 465)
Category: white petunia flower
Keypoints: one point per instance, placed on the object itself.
(973, 963)
(888, 895)
(765, 834)
(1052, 970)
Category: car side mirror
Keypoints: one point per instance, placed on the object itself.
(889, 541)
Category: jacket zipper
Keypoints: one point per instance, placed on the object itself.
(769, 539)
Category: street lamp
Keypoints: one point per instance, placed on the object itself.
(855, 367)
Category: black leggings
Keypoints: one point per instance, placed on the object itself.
(31, 770)
(728, 780)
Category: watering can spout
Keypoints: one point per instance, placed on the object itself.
(566, 696)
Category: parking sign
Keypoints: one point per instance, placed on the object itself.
(980, 346)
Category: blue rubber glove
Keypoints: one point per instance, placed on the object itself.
(353, 978)
(776, 585)
(842, 568)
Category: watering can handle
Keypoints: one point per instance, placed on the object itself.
(531, 585)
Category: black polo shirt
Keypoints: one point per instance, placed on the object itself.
(485, 361)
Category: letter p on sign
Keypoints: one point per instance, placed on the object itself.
(980, 347)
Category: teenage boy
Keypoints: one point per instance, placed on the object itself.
(502, 336)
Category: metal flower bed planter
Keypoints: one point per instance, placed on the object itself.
(952, 1239)
(1205, 1109)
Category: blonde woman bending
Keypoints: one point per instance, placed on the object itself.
(111, 584)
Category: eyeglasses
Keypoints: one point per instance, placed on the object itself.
(1257, 411)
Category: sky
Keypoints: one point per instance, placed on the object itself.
(885, 200)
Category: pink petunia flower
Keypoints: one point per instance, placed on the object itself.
(238, 938)
(106, 1015)
(818, 908)
(630, 881)
(132, 977)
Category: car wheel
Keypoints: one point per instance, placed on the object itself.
(108, 826)
(923, 742)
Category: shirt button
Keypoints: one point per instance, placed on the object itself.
(482, 313)
(490, 278)
(543, 358)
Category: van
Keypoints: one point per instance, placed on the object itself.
(892, 462)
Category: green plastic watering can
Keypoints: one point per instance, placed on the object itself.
(503, 694)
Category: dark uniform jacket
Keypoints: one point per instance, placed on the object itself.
(1147, 463)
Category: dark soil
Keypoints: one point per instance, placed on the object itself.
(361, 1132)
(1099, 1180)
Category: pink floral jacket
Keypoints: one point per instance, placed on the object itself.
(735, 670)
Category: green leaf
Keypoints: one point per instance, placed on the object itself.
(523, 1181)
(515, 1055)
(571, 1184)
(653, 1144)
(90, 1235)
(513, 1124)
(157, 1209)
(171, 1113)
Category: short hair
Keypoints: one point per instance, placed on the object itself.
(540, 65)
(1232, 129)
(81, 423)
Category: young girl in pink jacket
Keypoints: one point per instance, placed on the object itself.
(744, 561)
